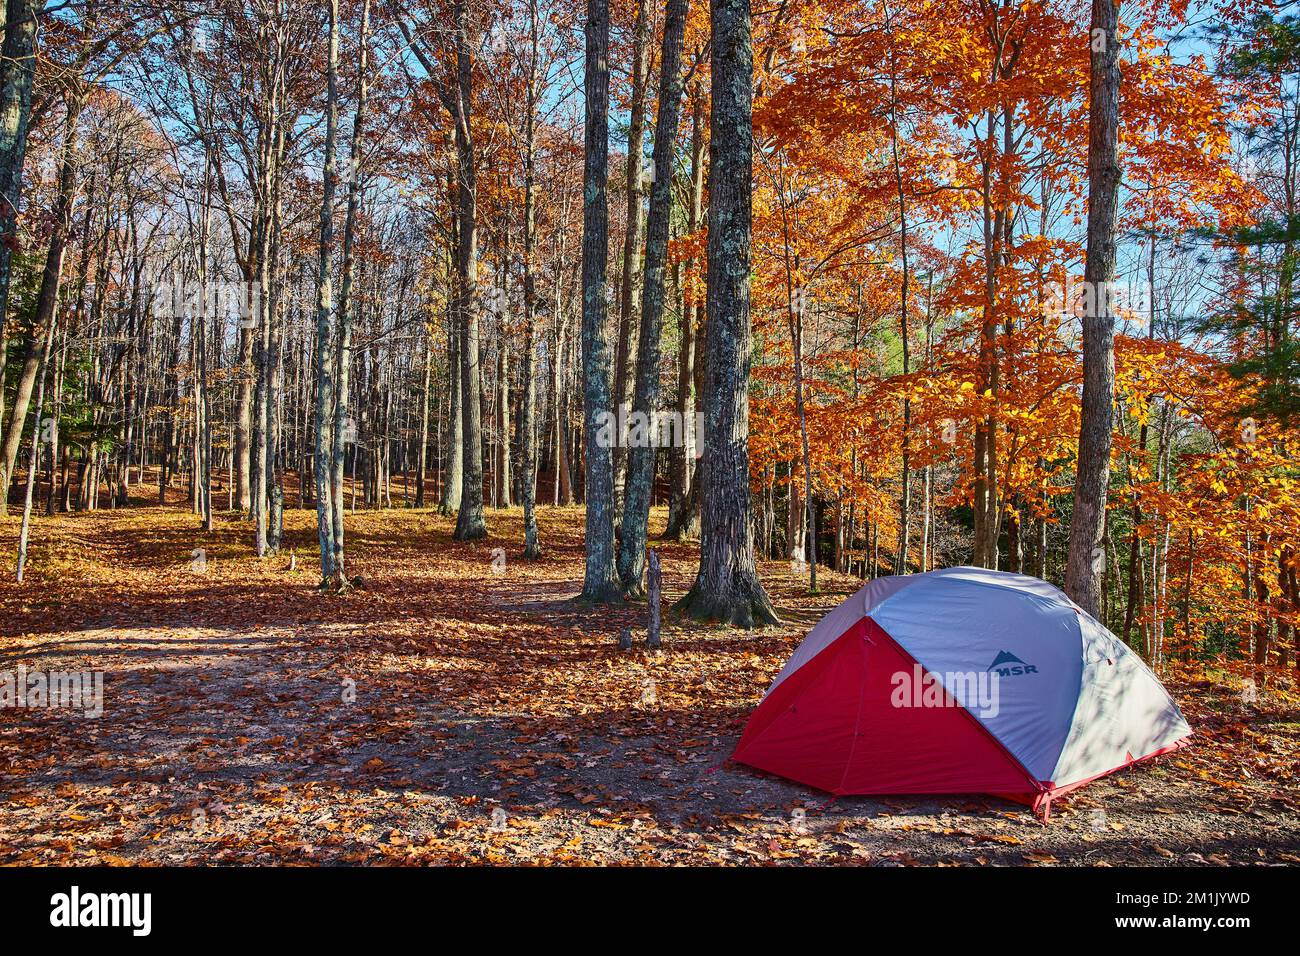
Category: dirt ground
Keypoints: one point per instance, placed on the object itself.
(462, 709)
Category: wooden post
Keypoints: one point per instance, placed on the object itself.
(654, 589)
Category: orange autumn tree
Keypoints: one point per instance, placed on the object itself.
(918, 213)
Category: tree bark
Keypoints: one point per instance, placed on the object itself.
(528, 402)
(683, 508)
(600, 582)
(28, 492)
(641, 458)
(1092, 478)
(48, 298)
(422, 453)
(346, 308)
(629, 317)
(17, 69)
(727, 587)
(470, 522)
(326, 439)
(454, 465)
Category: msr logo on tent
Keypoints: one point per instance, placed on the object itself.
(1007, 664)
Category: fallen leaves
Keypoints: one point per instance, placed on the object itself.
(227, 737)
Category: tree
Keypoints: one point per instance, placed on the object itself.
(528, 404)
(600, 582)
(641, 459)
(727, 587)
(633, 237)
(1092, 480)
(470, 522)
(327, 435)
(17, 68)
(454, 87)
(1267, 57)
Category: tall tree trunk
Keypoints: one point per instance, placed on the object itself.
(795, 309)
(422, 453)
(453, 467)
(343, 346)
(629, 319)
(727, 587)
(326, 439)
(243, 450)
(47, 301)
(600, 582)
(683, 508)
(641, 457)
(528, 402)
(199, 331)
(503, 479)
(470, 523)
(905, 498)
(28, 492)
(17, 69)
(1092, 479)
(563, 472)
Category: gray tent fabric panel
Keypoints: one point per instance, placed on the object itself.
(969, 621)
(1122, 712)
(1004, 579)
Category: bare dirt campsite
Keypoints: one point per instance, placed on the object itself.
(455, 712)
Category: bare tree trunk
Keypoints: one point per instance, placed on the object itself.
(795, 307)
(326, 439)
(347, 308)
(35, 456)
(47, 301)
(470, 522)
(727, 587)
(17, 68)
(243, 451)
(563, 469)
(528, 402)
(453, 467)
(503, 479)
(1092, 479)
(422, 453)
(683, 508)
(641, 458)
(629, 319)
(600, 582)
(905, 498)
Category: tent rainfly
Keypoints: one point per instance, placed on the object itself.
(961, 680)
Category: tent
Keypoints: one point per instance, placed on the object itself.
(961, 680)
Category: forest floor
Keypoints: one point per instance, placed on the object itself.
(459, 711)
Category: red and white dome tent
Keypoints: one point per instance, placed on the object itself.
(961, 680)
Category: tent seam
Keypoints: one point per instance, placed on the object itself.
(1072, 733)
(857, 719)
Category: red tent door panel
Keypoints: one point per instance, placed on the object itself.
(841, 731)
